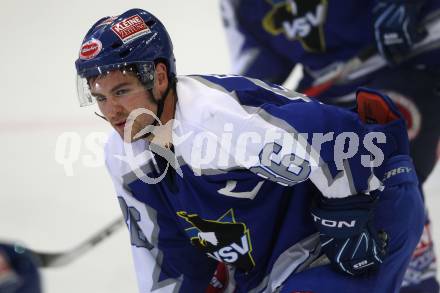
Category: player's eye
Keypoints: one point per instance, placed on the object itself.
(121, 92)
(100, 98)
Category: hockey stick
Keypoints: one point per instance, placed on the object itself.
(57, 259)
(369, 60)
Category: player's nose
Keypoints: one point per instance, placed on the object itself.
(113, 107)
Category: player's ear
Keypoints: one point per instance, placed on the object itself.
(161, 77)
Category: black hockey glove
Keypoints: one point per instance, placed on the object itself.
(396, 27)
(347, 235)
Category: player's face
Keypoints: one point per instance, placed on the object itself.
(117, 94)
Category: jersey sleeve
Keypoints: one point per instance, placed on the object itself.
(249, 56)
(324, 144)
(163, 258)
(288, 138)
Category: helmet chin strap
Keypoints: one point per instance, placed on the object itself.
(161, 102)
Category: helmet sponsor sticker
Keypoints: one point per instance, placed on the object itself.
(90, 49)
(130, 28)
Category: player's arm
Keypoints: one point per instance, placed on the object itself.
(249, 56)
(288, 138)
(336, 149)
(331, 154)
(353, 244)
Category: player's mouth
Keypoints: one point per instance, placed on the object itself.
(120, 125)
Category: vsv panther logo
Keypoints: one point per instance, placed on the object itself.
(223, 239)
(298, 20)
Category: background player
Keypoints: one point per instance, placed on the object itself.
(268, 38)
(18, 271)
(126, 63)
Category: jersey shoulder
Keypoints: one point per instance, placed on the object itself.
(250, 91)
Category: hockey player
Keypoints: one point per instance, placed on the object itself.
(268, 38)
(294, 195)
(18, 271)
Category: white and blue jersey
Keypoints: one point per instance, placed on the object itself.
(250, 159)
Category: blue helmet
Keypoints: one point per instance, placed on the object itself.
(135, 38)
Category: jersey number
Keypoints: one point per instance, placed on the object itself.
(286, 170)
(132, 217)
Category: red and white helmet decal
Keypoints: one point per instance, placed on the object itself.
(90, 49)
(130, 28)
(409, 111)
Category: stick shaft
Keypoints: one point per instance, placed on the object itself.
(56, 259)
